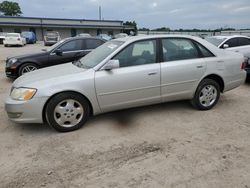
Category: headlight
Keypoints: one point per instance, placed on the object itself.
(11, 61)
(22, 94)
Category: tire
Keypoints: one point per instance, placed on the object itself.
(26, 67)
(206, 95)
(67, 112)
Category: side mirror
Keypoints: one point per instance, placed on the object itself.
(58, 52)
(225, 46)
(111, 64)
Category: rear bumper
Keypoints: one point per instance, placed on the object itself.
(235, 81)
(248, 73)
(25, 111)
(50, 42)
(12, 42)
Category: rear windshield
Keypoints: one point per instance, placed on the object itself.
(27, 34)
(12, 35)
(52, 34)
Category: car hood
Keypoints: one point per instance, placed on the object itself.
(26, 56)
(48, 75)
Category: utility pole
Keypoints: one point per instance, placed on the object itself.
(100, 12)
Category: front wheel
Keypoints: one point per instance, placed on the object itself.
(67, 112)
(206, 95)
(27, 67)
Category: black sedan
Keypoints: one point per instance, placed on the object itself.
(67, 50)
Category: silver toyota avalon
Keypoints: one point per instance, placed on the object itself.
(124, 73)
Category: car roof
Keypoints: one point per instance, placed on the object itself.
(84, 37)
(229, 36)
(145, 37)
(13, 33)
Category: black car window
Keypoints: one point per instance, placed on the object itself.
(179, 49)
(232, 42)
(138, 53)
(93, 43)
(244, 41)
(73, 45)
(204, 51)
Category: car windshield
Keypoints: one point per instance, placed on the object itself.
(215, 41)
(12, 35)
(96, 56)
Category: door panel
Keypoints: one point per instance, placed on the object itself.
(135, 83)
(180, 78)
(64, 58)
(181, 70)
(128, 87)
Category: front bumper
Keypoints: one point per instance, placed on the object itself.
(11, 72)
(26, 111)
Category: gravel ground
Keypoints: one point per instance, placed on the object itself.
(167, 145)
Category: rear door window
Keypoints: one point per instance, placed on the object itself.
(179, 49)
(92, 43)
(244, 41)
(204, 51)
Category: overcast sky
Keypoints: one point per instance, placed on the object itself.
(208, 14)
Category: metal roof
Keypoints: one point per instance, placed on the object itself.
(59, 22)
(66, 19)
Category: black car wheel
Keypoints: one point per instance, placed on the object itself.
(206, 95)
(27, 67)
(67, 111)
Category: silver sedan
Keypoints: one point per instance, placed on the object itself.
(124, 73)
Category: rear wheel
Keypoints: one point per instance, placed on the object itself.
(206, 95)
(28, 67)
(67, 112)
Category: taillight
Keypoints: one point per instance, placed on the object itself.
(243, 66)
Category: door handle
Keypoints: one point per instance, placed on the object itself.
(152, 73)
(199, 66)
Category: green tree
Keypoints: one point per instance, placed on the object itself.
(133, 23)
(9, 8)
(162, 29)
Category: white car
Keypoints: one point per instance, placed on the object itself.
(121, 35)
(2, 37)
(83, 35)
(124, 73)
(236, 43)
(14, 39)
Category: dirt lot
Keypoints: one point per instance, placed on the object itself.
(168, 145)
